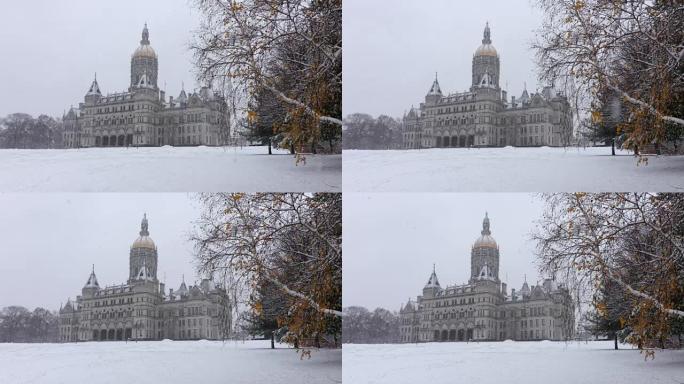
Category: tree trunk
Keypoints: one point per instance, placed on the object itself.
(616, 343)
(612, 146)
(296, 343)
(270, 152)
(272, 340)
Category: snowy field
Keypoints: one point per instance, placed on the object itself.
(166, 362)
(166, 169)
(509, 170)
(508, 362)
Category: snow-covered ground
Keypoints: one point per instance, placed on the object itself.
(166, 169)
(508, 362)
(509, 170)
(166, 362)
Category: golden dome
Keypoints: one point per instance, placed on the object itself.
(486, 50)
(485, 241)
(144, 242)
(145, 50)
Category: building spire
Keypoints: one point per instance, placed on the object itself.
(143, 226)
(487, 35)
(145, 36)
(485, 226)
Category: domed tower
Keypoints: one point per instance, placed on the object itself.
(484, 255)
(144, 62)
(143, 259)
(91, 287)
(486, 64)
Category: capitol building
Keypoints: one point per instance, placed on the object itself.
(143, 116)
(483, 309)
(484, 116)
(142, 309)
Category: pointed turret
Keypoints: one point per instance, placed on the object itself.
(525, 291)
(432, 287)
(94, 89)
(92, 280)
(91, 286)
(435, 89)
(183, 97)
(183, 289)
(434, 94)
(525, 97)
(68, 307)
(433, 281)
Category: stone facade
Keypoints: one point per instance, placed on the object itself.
(484, 117)
(483, 310)
(141, 309)
(143, 116)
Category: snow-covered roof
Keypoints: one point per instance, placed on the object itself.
(94, 88)
(435, 90)
(433, 282)
(92, 280)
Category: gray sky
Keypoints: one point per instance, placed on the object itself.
(392, 240)
(52, 49)
(50, 241)
(392, 49)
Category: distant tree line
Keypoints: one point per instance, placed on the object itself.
(363, 131)
(361, 326)
(20, 130)
(19, 325)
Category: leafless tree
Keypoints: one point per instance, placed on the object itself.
(632, 48)
(632, 240)
(258, 235)
(292, 48)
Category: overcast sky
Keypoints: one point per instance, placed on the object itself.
(392, 49)
(392, 240)
(52, 49)
(50, 241)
